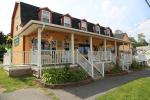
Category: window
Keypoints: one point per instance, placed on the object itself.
(16, 41)
(97, 29)
(107, 32)
(67, 21)
(83, 26)
(45, 17)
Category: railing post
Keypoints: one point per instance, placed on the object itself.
(72, 48)
(77, 56)
(103, 70)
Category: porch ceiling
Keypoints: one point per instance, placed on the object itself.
(32, 26)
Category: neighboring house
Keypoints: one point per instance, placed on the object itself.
(143, 54)
(125, 47)
(44, 37)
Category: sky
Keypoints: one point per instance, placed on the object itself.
(131, 16)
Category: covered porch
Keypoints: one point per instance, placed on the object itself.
(48, 44)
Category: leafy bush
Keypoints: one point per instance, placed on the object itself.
(63, 75)
(115, 69)
(135, 65)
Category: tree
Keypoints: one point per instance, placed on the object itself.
(118, 32)
(141, 40)
(133, 41)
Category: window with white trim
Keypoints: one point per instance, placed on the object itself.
(83, 26)
(45, 16)
(97, 29)
(67, 21)
(107, 32)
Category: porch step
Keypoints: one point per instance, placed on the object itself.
(73, 65)
(18, 71)
(35, 71)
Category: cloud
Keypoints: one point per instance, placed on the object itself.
(142, 27)
(113, 15)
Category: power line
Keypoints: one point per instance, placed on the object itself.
(148, 2)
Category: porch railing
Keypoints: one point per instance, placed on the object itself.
(55, 57)
(85, 64)
(31, 57)
(100, 56)
(125, 60)
(7, 59)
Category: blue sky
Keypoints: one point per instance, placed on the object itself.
(131, 16)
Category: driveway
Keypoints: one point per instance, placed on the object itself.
(87, 92)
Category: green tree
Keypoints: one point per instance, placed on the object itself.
(133, 41)
(141, 40)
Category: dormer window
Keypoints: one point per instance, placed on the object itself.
(45, 16)
(97, 29)
(107, 32)
(83, 25)
(67, 21)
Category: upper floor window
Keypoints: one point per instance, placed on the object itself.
(107, 32)
(67, 21)
(83, 25)
(97, 29)
(45, 16)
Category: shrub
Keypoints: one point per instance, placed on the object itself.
(115, 69)
(63, 75)
(135, 65)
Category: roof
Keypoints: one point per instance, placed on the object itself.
(30, 12)
(120, 36)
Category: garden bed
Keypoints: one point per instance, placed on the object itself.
(68, 84)
(64, 77)
(116, 71)
(117, 74)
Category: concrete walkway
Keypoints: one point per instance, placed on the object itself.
(88, 92)
(25, 94)
(91, 91)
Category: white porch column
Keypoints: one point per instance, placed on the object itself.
(123, 55)
(91, 44)
(39, 50)
(91, 51)
(72, 48)
(130, 50)
(116, 51)
(105, 43)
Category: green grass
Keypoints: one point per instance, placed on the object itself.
(135, 90)
(11, 84)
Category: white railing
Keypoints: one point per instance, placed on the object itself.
(24, 58)
(99, 67)
(85, 64)
(100, 56)
(31, 57)
(7, 59)
(55, 57)
(125, 60)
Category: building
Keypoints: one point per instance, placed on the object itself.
(44, 37)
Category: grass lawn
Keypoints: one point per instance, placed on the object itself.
(135, 90)
(11, 84)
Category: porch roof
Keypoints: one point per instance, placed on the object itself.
(33, 25)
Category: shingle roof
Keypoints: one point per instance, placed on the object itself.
(30, 12)
(120, 36)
